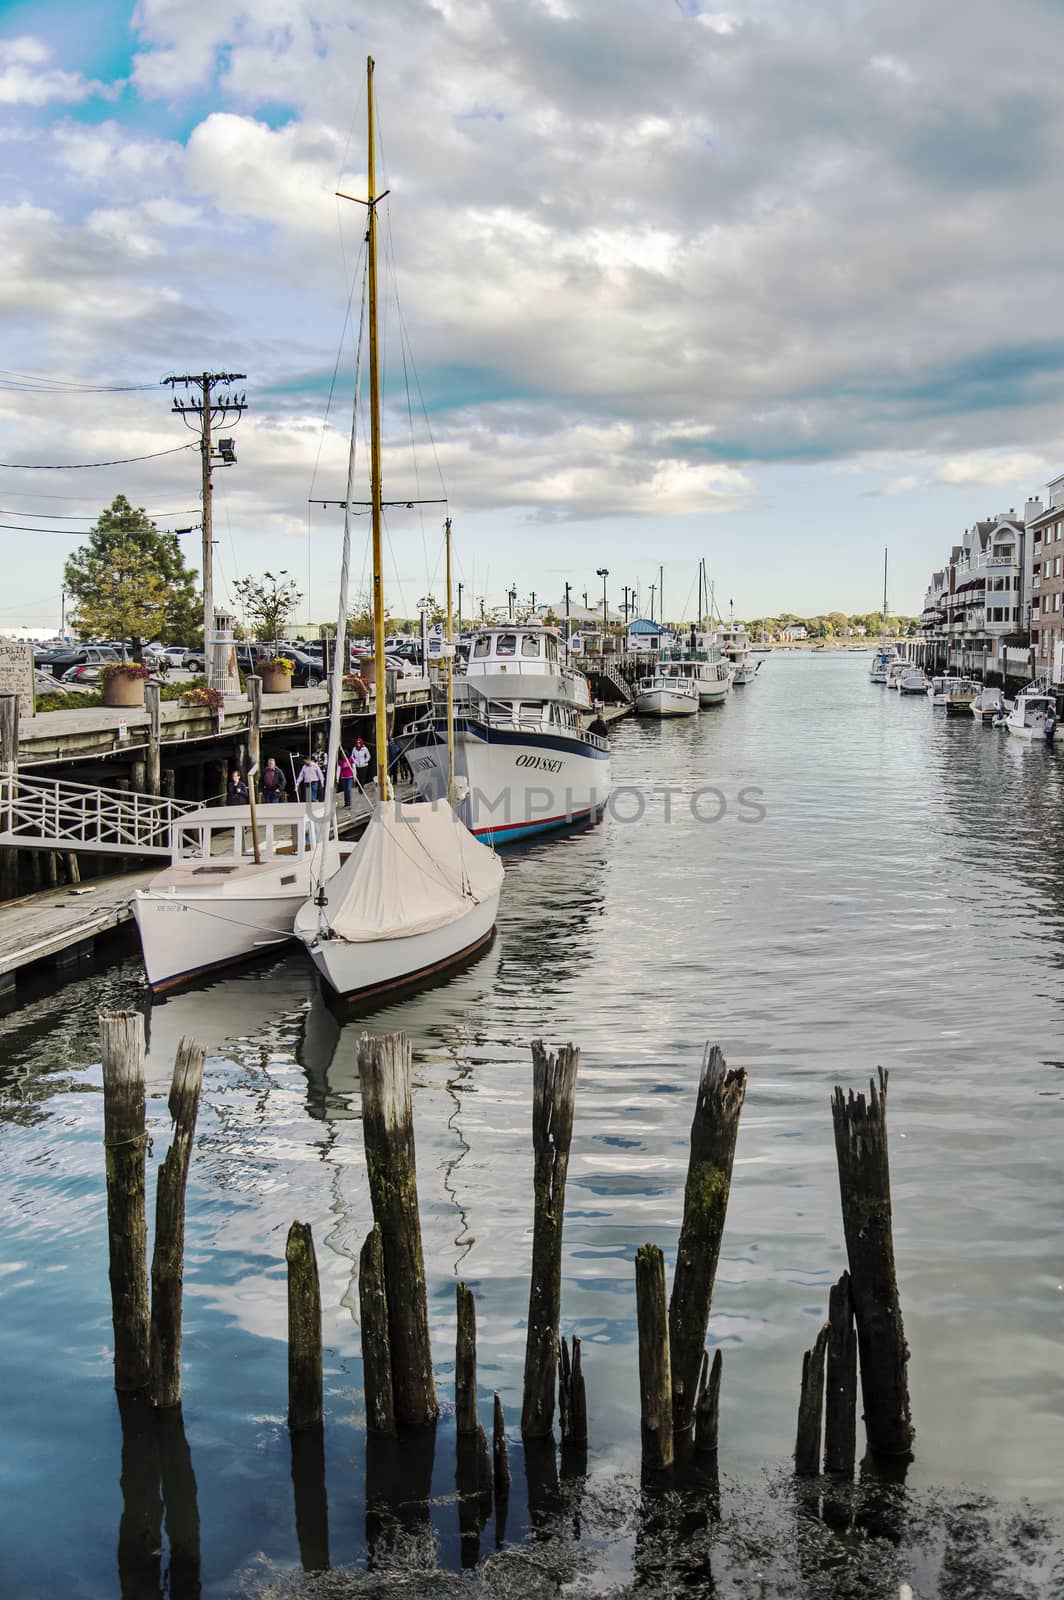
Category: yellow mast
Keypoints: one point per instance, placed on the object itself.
(450, 675)
(379, 671)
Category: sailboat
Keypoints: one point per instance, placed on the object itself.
(884, 658)
(419, 893)
(700, 658)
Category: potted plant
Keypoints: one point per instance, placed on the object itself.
(276, 674)
(123, 683)
(198, 694)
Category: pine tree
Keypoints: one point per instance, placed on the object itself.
(130, 581)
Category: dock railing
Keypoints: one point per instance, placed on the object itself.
(54, 814)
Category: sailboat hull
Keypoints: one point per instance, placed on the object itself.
(358, 970)
(183, 938)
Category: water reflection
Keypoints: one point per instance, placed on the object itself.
(158, 1490)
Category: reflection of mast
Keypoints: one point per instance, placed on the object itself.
(464, 1240)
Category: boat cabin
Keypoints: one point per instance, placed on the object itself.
(531, 655)
(222, 835)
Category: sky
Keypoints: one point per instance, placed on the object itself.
(769, 284)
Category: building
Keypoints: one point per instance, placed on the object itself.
(976, 615)
(1046, 531)
(644, 635)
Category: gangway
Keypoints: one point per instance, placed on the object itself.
(54, 814)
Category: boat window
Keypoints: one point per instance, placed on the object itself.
(286, 838)
(506, 644)
(530, 644)
(248, 842)
(552, 648)
(189, 844)
(482, 647)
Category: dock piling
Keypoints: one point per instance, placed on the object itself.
(840, 1407)
(810, 1408)
(168, 1257)
(655, 1370)
(553, 1093)
(572, 1395)
(500, 1459)
(707, 1405)
(153, 764)
(125, 1142)
(304, 1330)
(388, 1133)
(714, 1130)
(864, 1184)
(376, 1351)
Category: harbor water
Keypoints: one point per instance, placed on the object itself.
(822, 877)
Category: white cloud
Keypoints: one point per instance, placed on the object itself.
(26, 79)
(1018, 466)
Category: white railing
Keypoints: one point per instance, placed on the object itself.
(52, 814)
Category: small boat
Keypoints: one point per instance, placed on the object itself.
(418, 894)
(233, 887)
(1027, 719)
(666, 695)
(895, 672)
(960, 693)
(988, 704)
(914, 681)
(940, 690)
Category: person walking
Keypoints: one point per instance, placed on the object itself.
(273, 783)
(345, 772)
(361, 758)
(236, 790)
(310, 779)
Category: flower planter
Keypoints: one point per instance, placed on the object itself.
(274, 681)
(121, 690)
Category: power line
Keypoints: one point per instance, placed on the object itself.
(81, 466)
(91, 516)
(27, 380)
(79, 533)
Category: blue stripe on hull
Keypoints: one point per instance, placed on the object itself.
(526, 830)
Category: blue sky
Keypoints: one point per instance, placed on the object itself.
(761, 283)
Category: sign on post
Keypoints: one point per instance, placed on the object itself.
(16, 674)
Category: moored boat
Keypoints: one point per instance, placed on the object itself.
(988, 705)
(665, 695)
(960, 693)
(914, 681)
(233, 887)
(1029, 717)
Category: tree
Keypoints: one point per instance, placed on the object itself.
(129, 581)
(267, 603)
(360, 620)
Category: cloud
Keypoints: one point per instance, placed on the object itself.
(1019, 466)
(26, 78)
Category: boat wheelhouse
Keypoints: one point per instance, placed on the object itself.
(703, 663)
(524, 761)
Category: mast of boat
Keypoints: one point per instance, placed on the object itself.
(450, 673)
(380, 678)
(883, 634)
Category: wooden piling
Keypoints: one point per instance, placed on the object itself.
(572, 1395)
(168, 1258)
(553, 1092)
(655, 1371)
(864, 1184)
(500, 1459)
(714, 1129)
(152, 770)
(707, 1405)
(810, 1408)
(376, 1351)
(304, 1329)
(840, 1406)
(125, 1140)
(465, 1367)
(388, 1132)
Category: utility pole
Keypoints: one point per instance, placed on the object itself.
(533, 602)
(209, 412)
(568, 625)
(661, 595)
(653, 591)
(603, 573)
(627, 592)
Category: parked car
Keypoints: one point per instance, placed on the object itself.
(193, 661)
(175, 655)
(90, 656)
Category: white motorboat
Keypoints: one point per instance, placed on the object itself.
(987, 705)
(524, 761)
(914, 681)
(1027, 719)
(221, 900)
(665, 695)
(702, 662)
(895, 673)
(940, 690)
(734, 643)
(960, 694)
(418, 893)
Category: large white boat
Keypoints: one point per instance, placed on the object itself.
(734, 643)
(895, 673)
(523, 760)
(221, 899)
(1027, 719)
(666, 695)
(418, 893)
(703, 663)
(914, 680)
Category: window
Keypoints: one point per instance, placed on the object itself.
(1056, 566)
(506, 644)
(531, 644)
(1056, 600)
(482, 647)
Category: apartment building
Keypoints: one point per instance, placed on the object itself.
(1046, 535)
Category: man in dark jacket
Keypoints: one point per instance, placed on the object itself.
(236, 790)
(274, 783)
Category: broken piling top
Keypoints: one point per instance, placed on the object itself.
(714, 1131)
(864, 1189)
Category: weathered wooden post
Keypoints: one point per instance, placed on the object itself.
(500, 1459)
(473, 1464)
(707, 1405)
(168, 1258)
(553, 1092)
(840, 1408)
(125, 1140)
(376, 1351)
(714, 1130)
(810, 1408)
(572, 1396)
(153, 772)
(388, 1132)
(864, 1184)
(304, 1329)
(655, 1370)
